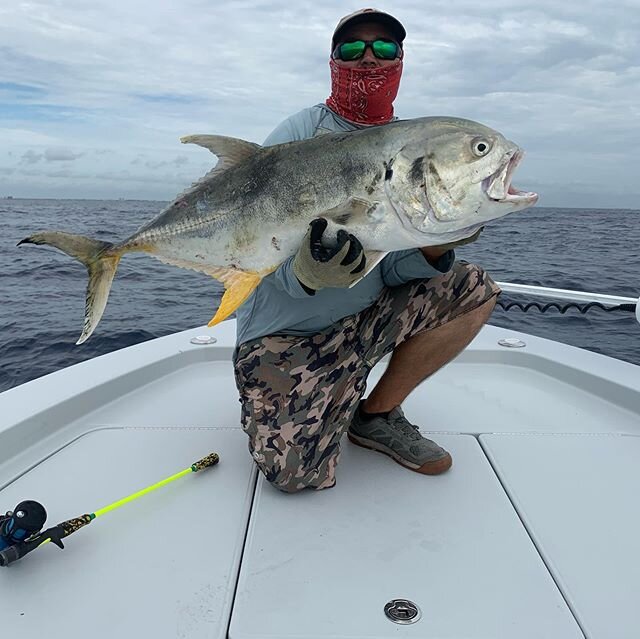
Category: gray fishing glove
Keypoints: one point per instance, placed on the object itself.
(317, 266)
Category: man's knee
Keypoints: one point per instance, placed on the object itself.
(290, 483)
(297, 486)
(292, 468)
(471, 277)
(472, 289)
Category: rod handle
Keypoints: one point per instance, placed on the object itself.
(205, 462)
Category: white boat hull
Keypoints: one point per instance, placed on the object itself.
(532, 533)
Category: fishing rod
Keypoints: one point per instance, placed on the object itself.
(19, 529)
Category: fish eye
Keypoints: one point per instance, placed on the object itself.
(480, 147)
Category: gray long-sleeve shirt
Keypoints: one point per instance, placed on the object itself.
(279, 305)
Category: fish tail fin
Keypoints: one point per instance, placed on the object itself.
(101, 263)
(238, 286)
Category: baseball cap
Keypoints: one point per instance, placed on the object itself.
(370, 15)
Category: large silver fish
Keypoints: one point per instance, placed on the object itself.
(407, 184)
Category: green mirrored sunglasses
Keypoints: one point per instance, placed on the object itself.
(354, 50)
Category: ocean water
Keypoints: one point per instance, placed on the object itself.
(42, 290)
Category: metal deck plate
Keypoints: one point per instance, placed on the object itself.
(164, 565)
(324, 564)
(578, 495)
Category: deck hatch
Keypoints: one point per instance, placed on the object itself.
(324, 564)
(578, 496)
(163, 566)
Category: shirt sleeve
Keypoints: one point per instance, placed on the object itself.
(284, 279)
(299, 126)
(401, 267)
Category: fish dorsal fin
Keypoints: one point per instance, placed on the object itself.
(230, 151)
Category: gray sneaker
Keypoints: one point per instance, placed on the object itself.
(401, 440)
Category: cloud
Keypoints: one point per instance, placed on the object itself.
(15, 137)
(61, 155)
(108, 85)
(155, 164)
(178, 161)
(165, 98)
(31, 157)
(62, 173)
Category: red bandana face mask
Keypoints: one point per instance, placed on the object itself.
(364, 96)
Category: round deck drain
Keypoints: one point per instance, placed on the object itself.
(203, 339)
(511, 342)
(402, 611)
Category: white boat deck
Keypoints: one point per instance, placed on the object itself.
(532, 533)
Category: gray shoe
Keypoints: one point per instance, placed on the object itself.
(401, 440)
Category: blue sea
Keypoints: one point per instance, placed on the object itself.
(42, 291)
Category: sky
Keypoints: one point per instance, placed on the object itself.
(94, 95)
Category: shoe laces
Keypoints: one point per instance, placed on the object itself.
(406, 427)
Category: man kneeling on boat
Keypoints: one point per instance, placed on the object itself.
(307, 342)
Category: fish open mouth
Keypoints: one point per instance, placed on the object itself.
(499, 188)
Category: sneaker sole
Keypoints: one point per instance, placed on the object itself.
(435, 467)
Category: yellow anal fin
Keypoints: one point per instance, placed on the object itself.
(238, 286)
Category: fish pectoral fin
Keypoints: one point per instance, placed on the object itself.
(359, 212)
(230, 151)
(355, 210)
(238, 286)
(373, 259)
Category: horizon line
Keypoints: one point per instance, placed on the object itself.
(126, 199)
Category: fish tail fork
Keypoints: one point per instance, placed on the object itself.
(101, 263)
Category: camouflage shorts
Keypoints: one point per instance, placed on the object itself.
(299, 393)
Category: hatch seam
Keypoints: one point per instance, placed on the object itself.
(574, 613)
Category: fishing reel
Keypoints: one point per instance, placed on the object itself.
(21, 529)
(24, 521)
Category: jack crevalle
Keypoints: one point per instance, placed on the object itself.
(407, 184)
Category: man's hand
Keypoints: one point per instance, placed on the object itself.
(317, 266)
